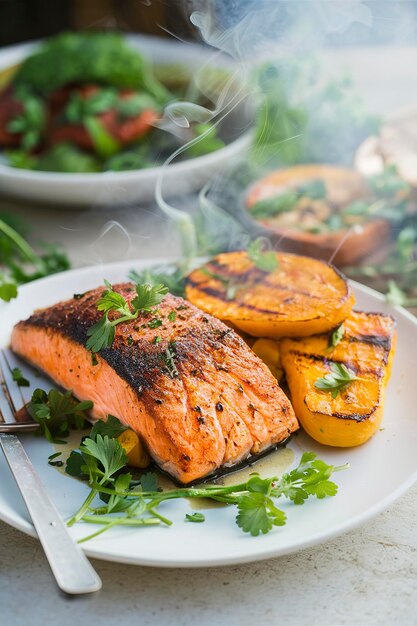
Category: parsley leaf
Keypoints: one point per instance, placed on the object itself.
(336, 336)
(57, 412)
(336, 381)
(108, 451)
(111, 426)
(265, 260)
(19, 378)
(258, 514)
(148, 296)
(101, 334)
(195, 517)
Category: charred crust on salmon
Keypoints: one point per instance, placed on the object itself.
(156, 387)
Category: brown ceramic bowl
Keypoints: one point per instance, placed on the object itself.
(346, 246)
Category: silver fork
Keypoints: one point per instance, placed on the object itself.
(71, 568)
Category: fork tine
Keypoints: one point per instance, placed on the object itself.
(6, 412)
(11, 387)
(28, 372)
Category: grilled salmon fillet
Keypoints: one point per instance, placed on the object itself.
(354, 415)
(190, 387)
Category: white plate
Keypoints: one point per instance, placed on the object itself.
(381, 470)
(120, 188)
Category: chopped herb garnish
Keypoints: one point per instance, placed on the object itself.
(19, 378)
(336, 381)
(172, 316)
(337, 336)
(195, 517)
(101, 334)
(55, 463)
(265, 260)
(157, 339)
(169, 359)
(155, 323)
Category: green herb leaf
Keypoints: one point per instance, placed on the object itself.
(108, 451)
(171, 276)
(74, 465)
(195, 517)
(336, 381)
(172, 316)
(105, 144)
(269, 207)
(8, 291)
(148, 296)
(149, 481)
(19, 378)
(265, 260)
(258, 514)
(57, 412)
(101, 335)
(337, 336)
(111, 426)
(155, 323)
(395, 295)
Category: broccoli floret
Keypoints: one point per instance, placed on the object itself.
(102, 58)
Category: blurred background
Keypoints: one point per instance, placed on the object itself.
(21, 20)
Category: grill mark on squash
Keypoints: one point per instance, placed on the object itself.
(323, 359)
(259, 274)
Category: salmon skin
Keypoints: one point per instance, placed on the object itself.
(198, 396)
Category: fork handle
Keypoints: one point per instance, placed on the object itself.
(71, 568)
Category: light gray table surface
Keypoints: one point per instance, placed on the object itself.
(367, 576)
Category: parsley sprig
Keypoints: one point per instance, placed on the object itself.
(57, 413)
(101, 334)
(129, 502)
(336, 381)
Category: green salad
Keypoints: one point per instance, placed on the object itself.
(89, 102)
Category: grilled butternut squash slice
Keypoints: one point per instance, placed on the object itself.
(302, 297)
(268, 351)
(354, 415)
